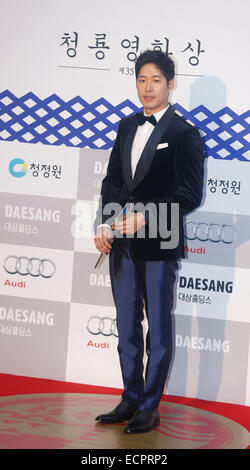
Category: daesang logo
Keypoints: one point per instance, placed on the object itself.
(18, 167)
(205, 284)
(203, 344)
(32, 213)
(100, 168)
(26, 316)
(100, 280)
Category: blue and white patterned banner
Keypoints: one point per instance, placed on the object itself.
(77, 123)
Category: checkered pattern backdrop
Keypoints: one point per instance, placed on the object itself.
(78, 123)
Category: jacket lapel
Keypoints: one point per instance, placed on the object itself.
(126, 161)
(148, 152)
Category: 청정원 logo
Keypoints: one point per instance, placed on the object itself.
(18, 173)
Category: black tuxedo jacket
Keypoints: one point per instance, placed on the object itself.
(170, 174)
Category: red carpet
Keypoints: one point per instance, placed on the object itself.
(17, 385)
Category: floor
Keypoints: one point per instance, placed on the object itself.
(46, 414)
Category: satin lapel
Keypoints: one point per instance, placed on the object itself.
(126, 160)
(150, 148)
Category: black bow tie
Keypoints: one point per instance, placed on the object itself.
(142, 119)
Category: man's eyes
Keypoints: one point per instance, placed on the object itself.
(156, 80)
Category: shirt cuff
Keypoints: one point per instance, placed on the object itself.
(103, 225)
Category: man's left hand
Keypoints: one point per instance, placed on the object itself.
(129, 224)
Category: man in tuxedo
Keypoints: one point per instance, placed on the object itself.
(157, 161)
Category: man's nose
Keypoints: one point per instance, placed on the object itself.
(148, 85)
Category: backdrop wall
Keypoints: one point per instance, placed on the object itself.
(67, 78)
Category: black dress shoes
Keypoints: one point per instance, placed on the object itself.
(143, 421)
(123, 412)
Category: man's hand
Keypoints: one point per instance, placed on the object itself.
(129, 224)
(103, 238)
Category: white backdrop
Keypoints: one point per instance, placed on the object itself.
(67, 78)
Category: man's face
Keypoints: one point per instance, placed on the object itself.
(153, 89)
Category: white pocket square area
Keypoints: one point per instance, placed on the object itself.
(162, 146)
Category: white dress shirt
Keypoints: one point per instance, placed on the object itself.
(141, 137)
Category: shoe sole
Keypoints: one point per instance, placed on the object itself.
(137, 430)
(112, 422)
(104, 421)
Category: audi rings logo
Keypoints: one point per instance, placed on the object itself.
(213, 232)
(33, 266)
(105, 326)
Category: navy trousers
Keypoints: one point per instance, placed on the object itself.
(136, 284)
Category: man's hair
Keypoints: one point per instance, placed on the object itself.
(161, 60)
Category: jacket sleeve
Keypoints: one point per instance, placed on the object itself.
(111, 184)
(190, 171)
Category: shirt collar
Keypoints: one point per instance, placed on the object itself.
(160, 113)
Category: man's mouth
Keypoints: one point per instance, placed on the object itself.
(148, 97)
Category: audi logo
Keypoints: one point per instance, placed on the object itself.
(213, 232)
(33, 266)
(105, 326)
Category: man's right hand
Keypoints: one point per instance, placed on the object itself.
(103, 239)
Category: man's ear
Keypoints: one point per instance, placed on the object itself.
(171, 84)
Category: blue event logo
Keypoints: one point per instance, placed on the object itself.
(18, 172)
